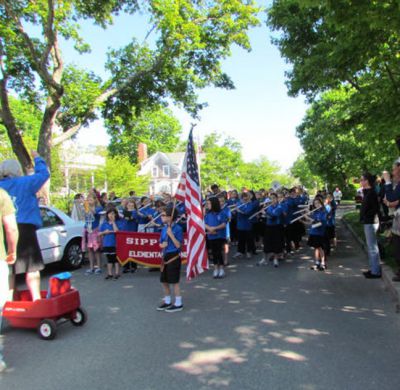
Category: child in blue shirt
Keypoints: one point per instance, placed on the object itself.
(215, 223)
(108, 228)
(145, 214)
(274, 238)
(317, 238)
(130, 225)
(228, 214)
(171, 241)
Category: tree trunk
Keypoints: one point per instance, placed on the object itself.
(14, 134)
(46, 128)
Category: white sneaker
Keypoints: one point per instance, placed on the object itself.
(215, 273)
(237, 255)
(276, 263)
(221, 273)
(248, 255)
(261, 262)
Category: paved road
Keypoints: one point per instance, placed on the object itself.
(260, 328)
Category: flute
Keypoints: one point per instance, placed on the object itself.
(306, 214)
(238, 207)
(260, 211)
(152, 221)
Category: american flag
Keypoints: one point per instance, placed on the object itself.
(189, 193)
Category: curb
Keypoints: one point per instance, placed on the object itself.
(387, 273)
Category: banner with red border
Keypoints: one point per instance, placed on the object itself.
(142, 248)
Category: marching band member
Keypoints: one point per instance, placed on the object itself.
(171, 241)
(316, 238)
(233, 201)
(274, 234)
(130, 216)
(330, 206)
(215, 223)
(246, 207)
(145, 214)
(228, 214)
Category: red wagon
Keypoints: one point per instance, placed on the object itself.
(44, 313)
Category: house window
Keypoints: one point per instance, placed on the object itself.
(165, 170)
(154, 172)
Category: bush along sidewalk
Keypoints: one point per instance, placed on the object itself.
(389, 266)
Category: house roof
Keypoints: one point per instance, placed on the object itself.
(174, 160)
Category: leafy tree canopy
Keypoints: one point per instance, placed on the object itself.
(157, 128)
(191, 40)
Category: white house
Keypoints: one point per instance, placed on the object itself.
(164, 169)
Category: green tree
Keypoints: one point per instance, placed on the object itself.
(338, 143)
(121, 176)
(222, 162)
(157, 128)
(191, 38)
(224, 165)
(344, 43)
(301, 171)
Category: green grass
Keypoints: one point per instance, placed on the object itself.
(353, 219)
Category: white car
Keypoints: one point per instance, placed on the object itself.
(60, 238)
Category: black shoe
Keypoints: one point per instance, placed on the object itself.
(126, 270)
(164, 306)
(322, 267)
(116, 277)
(108, 277)
(370, 275)
(396, 278)
(173, 309)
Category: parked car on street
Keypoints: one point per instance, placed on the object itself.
(60, 238)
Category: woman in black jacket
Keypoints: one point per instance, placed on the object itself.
(369, 218)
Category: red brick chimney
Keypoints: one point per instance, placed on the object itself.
(142, 152)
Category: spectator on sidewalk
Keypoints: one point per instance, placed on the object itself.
(337, 195)
(369, 218)
(392, 200)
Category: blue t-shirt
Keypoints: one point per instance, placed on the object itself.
(244, 213)
(318, 216)
(109, 240)
(331, 215)
(147, 213)
(130, 221)
(92, 220)
(178, 233)
(274, 215)
(158, 223)
(228, 214)
(215, 219)
(22, 191)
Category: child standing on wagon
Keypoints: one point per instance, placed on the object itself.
(171, 241)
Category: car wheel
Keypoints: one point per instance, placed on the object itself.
(73, 256)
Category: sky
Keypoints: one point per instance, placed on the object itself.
(258, 112)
